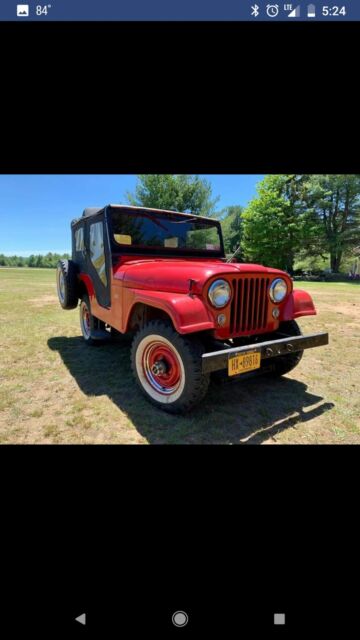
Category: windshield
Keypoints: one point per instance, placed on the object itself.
(166, 233)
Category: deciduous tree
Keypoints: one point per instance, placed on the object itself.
(335, 202)
(186, 193)
(275, 223)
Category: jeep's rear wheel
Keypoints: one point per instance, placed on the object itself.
(167, 367)
(92, 329)
(88, 323)
(85, 319)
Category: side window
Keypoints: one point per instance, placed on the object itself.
(97, 255)
(79, 239)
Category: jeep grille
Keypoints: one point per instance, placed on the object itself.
(249, 305)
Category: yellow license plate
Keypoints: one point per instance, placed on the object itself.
(243, 362)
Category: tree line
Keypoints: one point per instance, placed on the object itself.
(47, 261)
(292, 218)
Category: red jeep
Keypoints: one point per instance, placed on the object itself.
(163, 277)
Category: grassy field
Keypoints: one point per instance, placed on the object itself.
(55, 389)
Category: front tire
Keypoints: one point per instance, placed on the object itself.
(282, 365)
(167, 367)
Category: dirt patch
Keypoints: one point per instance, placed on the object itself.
(39, 302)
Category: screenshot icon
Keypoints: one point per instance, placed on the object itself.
(22, 10)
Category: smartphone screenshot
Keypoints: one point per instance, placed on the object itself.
(179, 280)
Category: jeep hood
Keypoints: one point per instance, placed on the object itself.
(174, 275)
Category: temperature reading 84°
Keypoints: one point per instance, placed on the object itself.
(42, 10)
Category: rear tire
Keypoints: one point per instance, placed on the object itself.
(284, 364)
(167, 367)
(67, 284)
(88, 323)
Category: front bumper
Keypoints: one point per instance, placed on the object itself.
(218, 360)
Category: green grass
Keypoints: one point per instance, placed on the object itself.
(348, 287)
(55, 389)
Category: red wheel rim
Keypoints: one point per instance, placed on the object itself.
(161, 367)
(86, 319)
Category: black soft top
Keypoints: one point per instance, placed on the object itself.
(91, 211)
(87, 213)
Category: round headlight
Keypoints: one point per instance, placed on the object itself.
(278, 290)
(219, 293)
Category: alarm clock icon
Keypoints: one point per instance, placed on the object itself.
(272, 10)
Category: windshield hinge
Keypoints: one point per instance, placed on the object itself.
(191, 287)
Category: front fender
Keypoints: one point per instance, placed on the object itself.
(188, 313)
(299, 303)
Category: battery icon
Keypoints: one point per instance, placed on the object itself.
(311, 11)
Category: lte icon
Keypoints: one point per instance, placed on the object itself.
(22, 10)
(295, 13)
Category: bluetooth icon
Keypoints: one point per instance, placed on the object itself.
(255, 10)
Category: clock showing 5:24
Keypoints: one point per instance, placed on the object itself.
(333, 11)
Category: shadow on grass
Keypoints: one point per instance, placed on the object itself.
(251, 410)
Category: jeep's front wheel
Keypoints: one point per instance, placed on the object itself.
(284, 364)
(167, 367)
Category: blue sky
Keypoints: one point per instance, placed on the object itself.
(36, 210)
